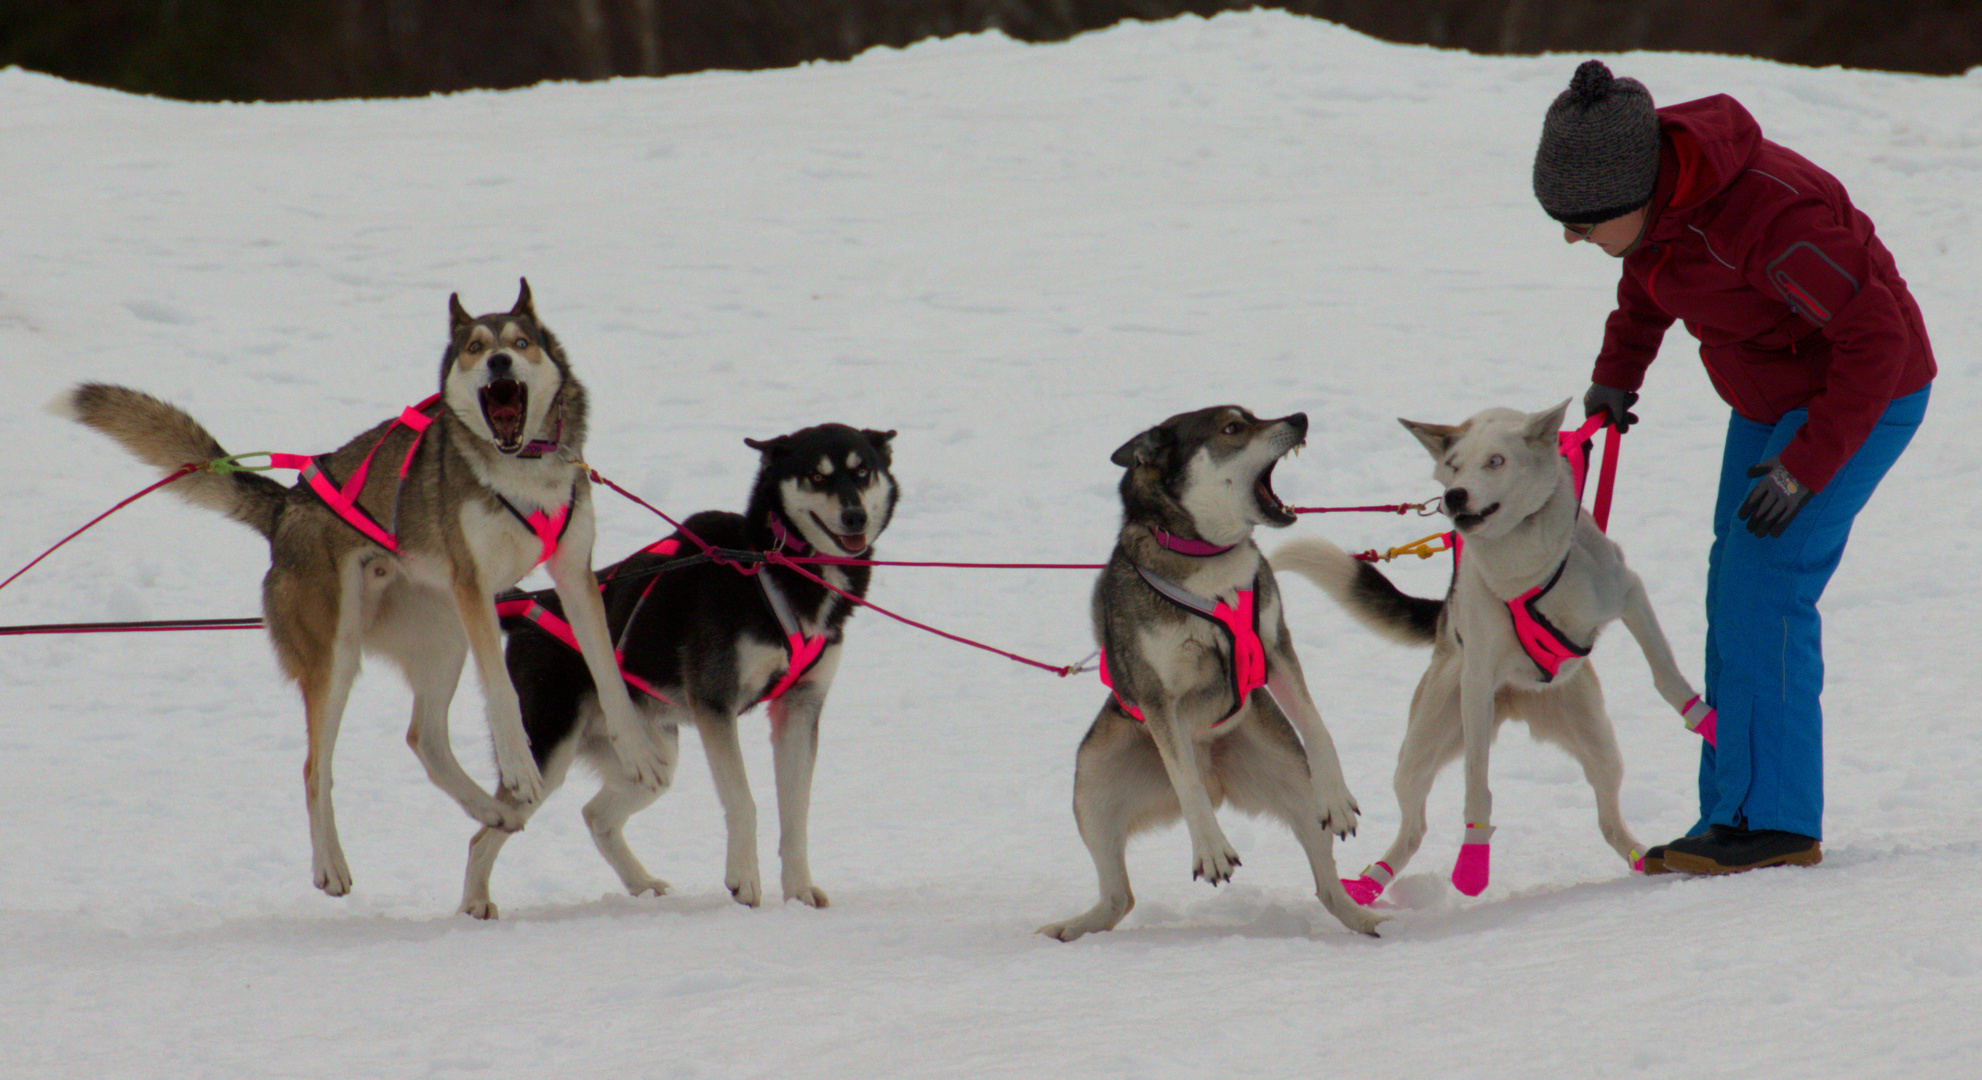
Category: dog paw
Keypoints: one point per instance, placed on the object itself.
(1349, 911)
(1077, 928)
(478, 909)
(652, 886)
(747, 889)
(522, 780)
(1363, 890)
(810, 895)
(644, 762)
(498, 816)
(334, 878)
(1339, 815)
(1216, 865)
(1471, 870)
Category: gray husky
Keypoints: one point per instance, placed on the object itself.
(702, 643)
(397, 542)
(1534, 581)
(1208, 702)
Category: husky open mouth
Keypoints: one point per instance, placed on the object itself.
(1467, 522)
(505, 407)
(851, 543)
(1270, 505)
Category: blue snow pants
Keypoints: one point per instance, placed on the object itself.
(1765, 663)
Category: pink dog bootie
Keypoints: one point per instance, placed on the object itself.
(1700, 719)
(1364, 890)
(1469, 873)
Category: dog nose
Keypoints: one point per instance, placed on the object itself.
(1456, 500)
(1300, 422)
(854, 519)
(499, 366)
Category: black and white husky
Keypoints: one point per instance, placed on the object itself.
(700, 643)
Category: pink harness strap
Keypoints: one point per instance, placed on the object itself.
(802, 652)
(1545, 645)
(344, 501)
(1241, 626)
(548, 526)
(550, 623)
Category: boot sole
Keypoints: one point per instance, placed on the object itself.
(1698, 864)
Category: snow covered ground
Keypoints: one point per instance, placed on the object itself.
(1018, 256)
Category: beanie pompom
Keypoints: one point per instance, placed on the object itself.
(1599, 152)
(1590, 85)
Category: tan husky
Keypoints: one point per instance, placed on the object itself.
(397, 543)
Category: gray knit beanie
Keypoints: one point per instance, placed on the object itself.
(1599, 154)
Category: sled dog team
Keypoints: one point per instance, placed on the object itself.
(408, 541)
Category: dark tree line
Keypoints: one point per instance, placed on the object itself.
(307, 49)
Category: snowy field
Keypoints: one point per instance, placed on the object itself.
(1018, 256)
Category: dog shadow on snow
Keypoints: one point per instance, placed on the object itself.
(1418, 907)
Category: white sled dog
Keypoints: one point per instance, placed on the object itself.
(1534, 581)
(702, 643)
(397, 542)
(1204, 678)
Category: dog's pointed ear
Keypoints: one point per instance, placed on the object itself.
(1438, 438)
(457, 316)
(1544, 427)
(878, 438)
(769, 447)
(523, 306)
(1144, 449)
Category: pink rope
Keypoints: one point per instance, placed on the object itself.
(791, 563)
(184, 470)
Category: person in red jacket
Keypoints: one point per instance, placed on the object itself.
(1809, 334)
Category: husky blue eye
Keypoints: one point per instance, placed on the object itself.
(522, 343)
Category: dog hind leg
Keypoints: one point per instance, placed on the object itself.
(312, 615)
(489, 840)
(1121, 787)
(1432, 740)
(430, 651)
(1263, 769)
(325, 693)
(1575, 718)
(621, 798)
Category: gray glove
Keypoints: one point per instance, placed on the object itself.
(1774, 501)
(1601, 398)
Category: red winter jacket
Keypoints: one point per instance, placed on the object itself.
(1794, 300)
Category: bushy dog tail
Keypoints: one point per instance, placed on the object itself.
(1362, 590)
(162, 435)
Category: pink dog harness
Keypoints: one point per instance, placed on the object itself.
(1240, 625)
(1539, 638)
(548, 526)
(802, 652)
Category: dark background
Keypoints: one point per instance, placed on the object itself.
(277, 50)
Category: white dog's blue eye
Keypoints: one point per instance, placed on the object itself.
(1496, 461)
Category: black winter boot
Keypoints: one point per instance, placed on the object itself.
(1723, 849)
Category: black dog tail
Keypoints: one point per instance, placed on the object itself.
(1362, 590)
(162, 435)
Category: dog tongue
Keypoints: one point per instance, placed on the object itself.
(502, 407)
